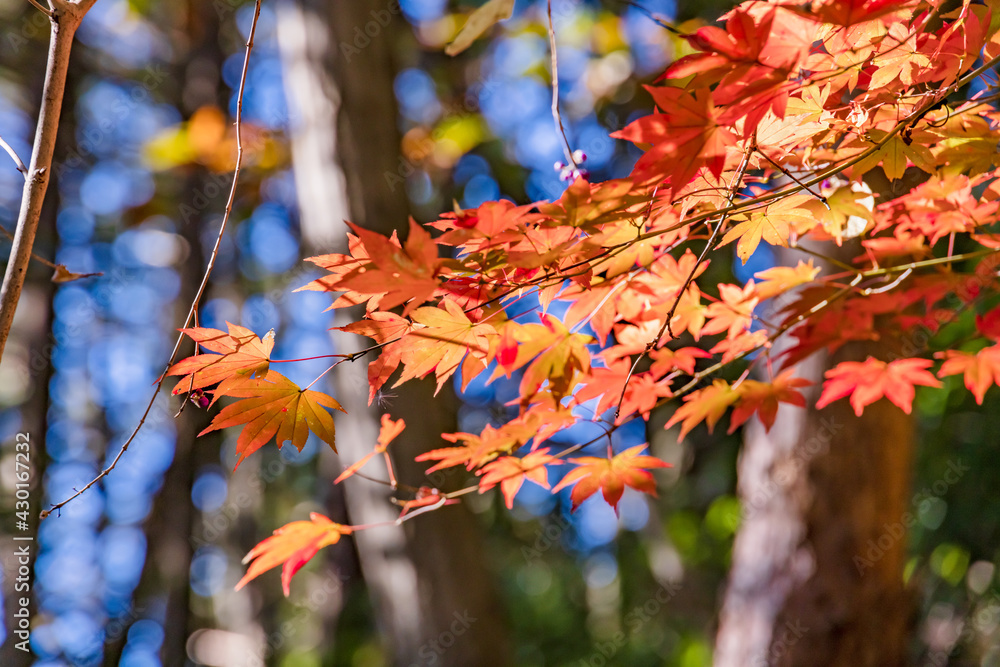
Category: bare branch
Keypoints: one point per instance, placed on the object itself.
(62, 32)
(555, 92)
(192, 312)
(10, 151)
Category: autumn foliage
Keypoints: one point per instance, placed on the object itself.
(764, 133)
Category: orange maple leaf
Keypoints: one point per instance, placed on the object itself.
(511, 471)
(708, 405)
(443, 338)
(869, 380)
(611, 476)
(275, 407)
(780, 279)
(406, 274)
(734, 312)
(293, 544)
(772, 224)
(557, 356)
(763, 398)
(982, 369)
(387, 433)
(240, 353)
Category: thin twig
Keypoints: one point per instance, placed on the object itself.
(10, 151)
(43, 9)
(555, 91)
(33, 255)
(204, 281)
(793, 177)
(733, 187)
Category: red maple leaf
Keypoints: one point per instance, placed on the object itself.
(685, 137)
(869, 380)
(611, 476)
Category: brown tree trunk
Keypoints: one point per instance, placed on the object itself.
(429, 580)
(817, 567)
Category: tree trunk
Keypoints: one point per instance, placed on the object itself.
(429, 580)
(817, 567)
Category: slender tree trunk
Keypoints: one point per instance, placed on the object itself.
(817, 492)
(431, 587)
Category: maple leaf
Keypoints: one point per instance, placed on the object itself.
(640, 394)
(845, 213)
(386, 329)
(511, 471)
(867, 381)
(404, 274)
(708, 405)
(843, 12)
(388, 431)
(240, 353)
(480, 21)
(780, 279)
(685, 137)
(275, 407)
(556, 355)
(293, 545)
(763, 398)
(536, 424)
(684, 359)
(771, 224)
(981, 370)
(439, 341)
(733, 312)
(611, 476)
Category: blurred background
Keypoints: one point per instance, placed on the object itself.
(352, 111)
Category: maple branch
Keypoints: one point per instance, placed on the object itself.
(833, 170)
(192, 312)
(733, 187)
(793, 177)
(555, 91)
(10, 151)
(696, 378)
(826, 258)
(63, 25)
